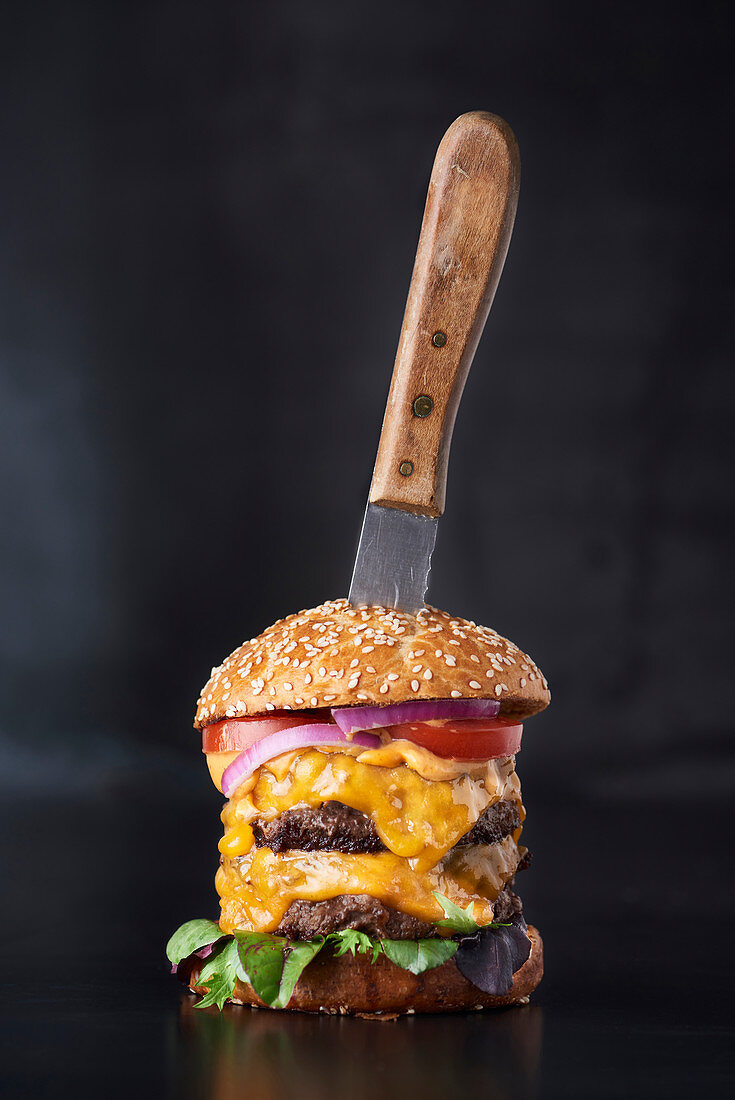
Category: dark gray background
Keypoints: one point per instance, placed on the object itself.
(208, 214)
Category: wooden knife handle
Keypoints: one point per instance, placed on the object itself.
(465, 233)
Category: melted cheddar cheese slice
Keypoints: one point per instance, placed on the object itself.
(421, 806)
(416, 818)
(257, 889)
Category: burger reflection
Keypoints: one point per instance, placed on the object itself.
(269, 1055)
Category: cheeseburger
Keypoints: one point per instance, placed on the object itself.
(373, 817)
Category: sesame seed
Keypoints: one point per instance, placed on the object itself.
(383, 688)
(328, 698)
(498, 689)
(314, 700)
(322, 671)
(474, 684)
(288, 687)
(393, 676)
(428, 674)
(451, 661)
(369, 668)
(354, 663)
(523, 681)
(414, 685)
(419, 652)
(368, 648)
(307, 678)
(299, 701)
(417, 668)
(455, 694)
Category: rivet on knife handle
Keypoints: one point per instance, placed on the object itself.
(464, 238)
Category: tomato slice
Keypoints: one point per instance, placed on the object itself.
(236, 734)
(464, 738)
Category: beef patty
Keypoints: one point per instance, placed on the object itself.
(334, 827)
(304, 920)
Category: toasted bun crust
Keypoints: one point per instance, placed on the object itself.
(353, 984)
(338, 656)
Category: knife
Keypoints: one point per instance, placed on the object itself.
(468, 220)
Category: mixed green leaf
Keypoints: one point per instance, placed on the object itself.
(458, 920)
(191, 937)
(272, 965)
(418, 955)
(219, 974)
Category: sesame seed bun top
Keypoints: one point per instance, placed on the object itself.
(336, 655)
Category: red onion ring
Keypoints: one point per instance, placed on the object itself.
(353, 719)
(297, 737)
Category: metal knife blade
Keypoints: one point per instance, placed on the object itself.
(464, 238)
(393, 559)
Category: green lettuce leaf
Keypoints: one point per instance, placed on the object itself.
(273, 965)
(191, 937)
(350, 940)
(414, 955)
(458, 920)
(261, 962)
(298, 957)
(219, 974)
(418, 955)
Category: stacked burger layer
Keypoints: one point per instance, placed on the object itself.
(374, 814)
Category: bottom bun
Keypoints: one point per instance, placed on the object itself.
(353, 984)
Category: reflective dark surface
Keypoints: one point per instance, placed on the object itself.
(635, 906)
